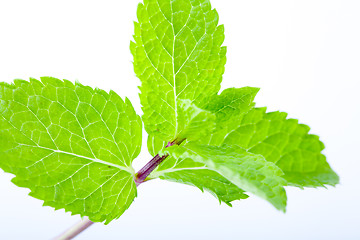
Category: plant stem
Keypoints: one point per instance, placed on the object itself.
(139, 178)
(142, 174)
(75, 230)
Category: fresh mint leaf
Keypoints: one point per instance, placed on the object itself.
(187, 171)
(232, 103)
(228, 108)
(248, 171)
(155, 144)
(205, 179)
(286, 143)
(177, 55)
(194, 123)
(71, 145)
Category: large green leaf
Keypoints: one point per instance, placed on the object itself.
(287, 143)
(248, 171)
(177, 55)
(71, 145)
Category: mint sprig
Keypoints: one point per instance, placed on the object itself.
(73, 146)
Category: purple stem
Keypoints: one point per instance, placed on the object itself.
(142, 174)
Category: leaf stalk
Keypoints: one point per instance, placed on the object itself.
(144, 172)
(75, 230)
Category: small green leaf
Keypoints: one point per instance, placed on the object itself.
(194, 123)
(286, 143)
(228, 107)
(71, 145)
(177, 55)
(206, 179)
(248, 171)
(155, 144)
(231, 104)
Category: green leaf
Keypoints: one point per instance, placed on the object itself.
(71, 145)
(194, 123)
(228, 107)
(155, 144)
(193, 173)
(231, 104)
(287, 143)
(177, 55)
(208, 180)
(248, 171)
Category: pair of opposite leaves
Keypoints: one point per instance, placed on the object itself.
(73, 146)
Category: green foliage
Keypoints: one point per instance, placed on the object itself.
(194, 123)
(206, 179)
(248, 171)
(72, 146)
(232, 103)
(237, 122)
(228, 107)
(190, 172)
(177, 55)
(286, 143)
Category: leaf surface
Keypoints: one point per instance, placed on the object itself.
(71, 145)
(228, 108)
(187, 171)
(177, 55)
(194, 123)
(206, 179)
(232, 103)
(248, 171)
(286, 143)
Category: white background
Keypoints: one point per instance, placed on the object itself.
(305, 56)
